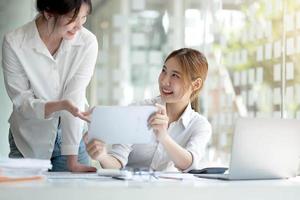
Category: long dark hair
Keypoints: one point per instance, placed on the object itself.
(194, 65)
(62, 7)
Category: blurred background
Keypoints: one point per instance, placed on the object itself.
(252, 46)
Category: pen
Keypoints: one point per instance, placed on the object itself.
(173, 178)
(120, 178)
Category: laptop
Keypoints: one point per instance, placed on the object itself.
(122, 124)
(263, 149)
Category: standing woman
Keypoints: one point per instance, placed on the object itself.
(47, 65)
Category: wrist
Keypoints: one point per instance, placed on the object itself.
(62, 105)
(102, 157)
(51, 107)
(163, 137)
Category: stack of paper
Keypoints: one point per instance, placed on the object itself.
(22, 169)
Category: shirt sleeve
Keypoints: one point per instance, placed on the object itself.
(121, 152)
(75, 91)
(197, 143)
(18, 86)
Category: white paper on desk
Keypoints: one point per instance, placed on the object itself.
(175, 176)
(122, 124)
(70, 175)
(23, 167)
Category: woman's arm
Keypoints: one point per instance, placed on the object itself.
(179, 155)
(18, 86)
(182, 158)
(97, 150)
(54, 106)
(75, 90)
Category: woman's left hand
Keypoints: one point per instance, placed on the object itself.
(159, 122)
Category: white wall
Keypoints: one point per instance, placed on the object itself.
(13, 13)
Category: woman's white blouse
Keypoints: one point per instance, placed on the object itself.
(192, 131)
(33, 77)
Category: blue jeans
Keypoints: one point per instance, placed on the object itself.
(58, 161)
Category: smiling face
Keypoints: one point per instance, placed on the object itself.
(67, 28)
(172, 85)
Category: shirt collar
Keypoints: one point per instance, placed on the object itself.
(186, 116)
(33, 40)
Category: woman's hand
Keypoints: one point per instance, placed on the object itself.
(159, 122)
(86, 115)
(95, 148)
(70, 107)
(74, 110)
(54, 106)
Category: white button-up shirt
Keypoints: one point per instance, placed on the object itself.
(33, 77)
(192, 131)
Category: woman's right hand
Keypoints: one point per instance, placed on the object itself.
(70, 107)
(95, 148)
(54, 106)
(74, 110)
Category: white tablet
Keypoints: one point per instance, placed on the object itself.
(122, 124)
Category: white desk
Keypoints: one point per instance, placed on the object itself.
(73, 189)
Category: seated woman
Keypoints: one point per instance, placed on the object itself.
(181, 132)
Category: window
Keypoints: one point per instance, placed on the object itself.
(253, 50)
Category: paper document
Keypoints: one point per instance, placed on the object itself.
(22, 169)
(70, 175)
(176, 176)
